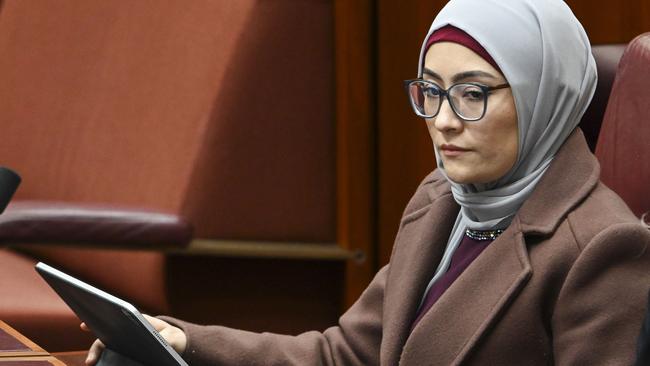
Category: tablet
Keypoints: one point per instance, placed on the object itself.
(114, 321)
(9, 182)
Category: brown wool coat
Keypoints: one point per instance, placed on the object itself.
(565, 284)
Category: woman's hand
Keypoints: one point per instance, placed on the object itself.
(173, 335)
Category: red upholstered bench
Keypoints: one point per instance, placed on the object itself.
(217, 113)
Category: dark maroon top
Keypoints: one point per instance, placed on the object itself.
(465, 254)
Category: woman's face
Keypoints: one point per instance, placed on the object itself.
(472, 152)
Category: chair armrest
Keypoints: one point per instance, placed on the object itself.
(28, 222)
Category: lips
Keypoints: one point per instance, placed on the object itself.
(452, 150)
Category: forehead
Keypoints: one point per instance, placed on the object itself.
(448, 59)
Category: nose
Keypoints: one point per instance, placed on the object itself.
(447, 120)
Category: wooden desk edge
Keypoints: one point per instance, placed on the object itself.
(50, 359)
(35, 348)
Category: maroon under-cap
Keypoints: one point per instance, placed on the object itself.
(449, 33)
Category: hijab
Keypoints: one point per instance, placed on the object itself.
(544, 53)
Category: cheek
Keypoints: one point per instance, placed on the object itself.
(506, 156)
(503, 147)
(498, 145)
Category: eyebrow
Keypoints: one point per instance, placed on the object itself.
(460, 76)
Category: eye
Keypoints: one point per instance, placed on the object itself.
(472, 93)
(431, 91)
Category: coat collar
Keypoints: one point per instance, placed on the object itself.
(573, 174)
(457, 315)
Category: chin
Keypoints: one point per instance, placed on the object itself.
(461, 178)
(466, 177)
(475, 173)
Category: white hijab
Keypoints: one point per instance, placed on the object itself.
(545, 56)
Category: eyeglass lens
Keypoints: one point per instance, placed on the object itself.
(468, 100)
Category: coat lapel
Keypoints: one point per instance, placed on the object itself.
(452, 327)
(418, 250)
(573, 174)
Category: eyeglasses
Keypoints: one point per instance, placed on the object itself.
(467, 100)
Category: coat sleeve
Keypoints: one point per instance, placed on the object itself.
(643, 345)
(600, 307)
(354, 341)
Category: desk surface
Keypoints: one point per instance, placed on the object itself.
(18, 350)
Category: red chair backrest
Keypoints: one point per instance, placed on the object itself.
(219, 111)
(623, 147)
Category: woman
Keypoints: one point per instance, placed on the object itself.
(511, 252)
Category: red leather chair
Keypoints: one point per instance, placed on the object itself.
(623, 147)
(122, 117)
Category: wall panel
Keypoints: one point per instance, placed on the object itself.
(612, 21)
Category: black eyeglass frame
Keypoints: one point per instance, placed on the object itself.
(445, 93)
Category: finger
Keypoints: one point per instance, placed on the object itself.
(84, 327)
(94, 352)
(175, 337)
(156, 323)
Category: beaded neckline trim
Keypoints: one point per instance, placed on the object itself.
(483, 234)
